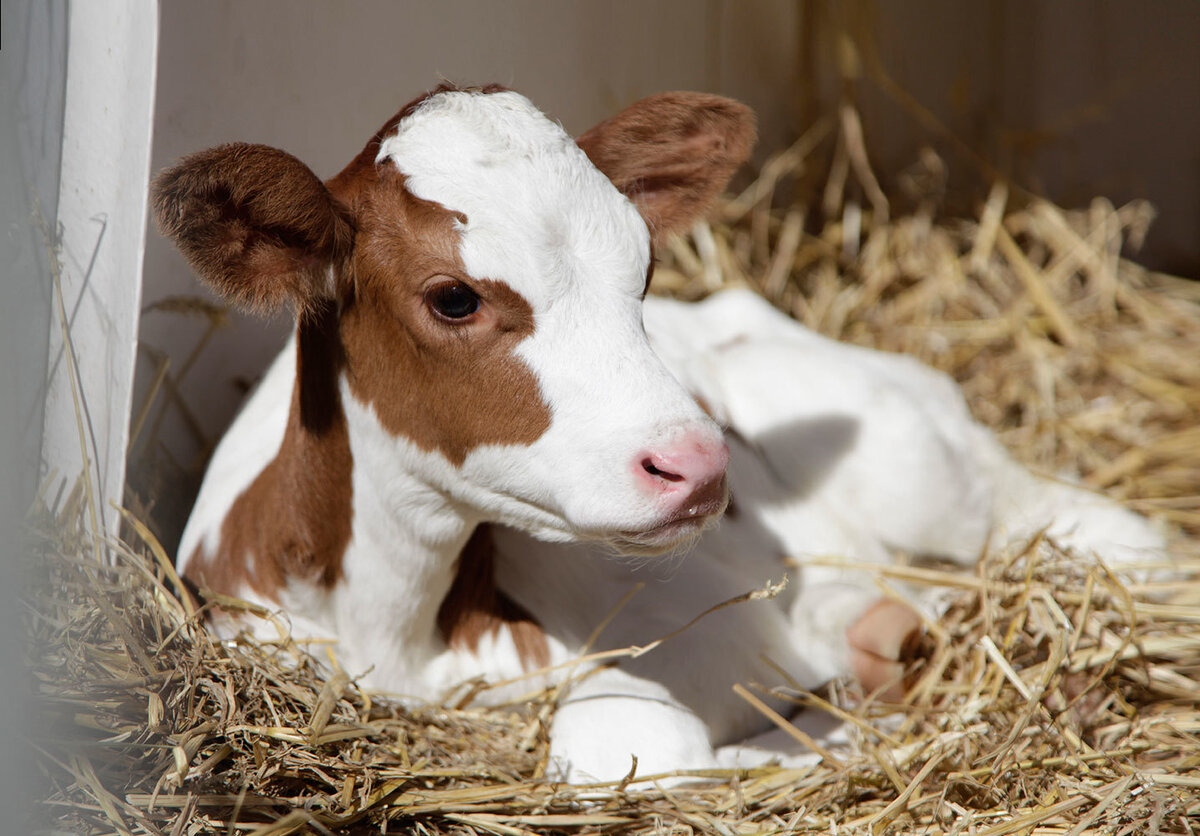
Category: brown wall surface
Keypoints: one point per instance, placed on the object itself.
(1072, 100)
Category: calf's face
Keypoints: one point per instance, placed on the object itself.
(469, 297)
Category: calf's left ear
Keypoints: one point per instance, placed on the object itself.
(671, 154)
(256, 224)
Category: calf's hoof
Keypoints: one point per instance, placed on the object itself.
(883, 643)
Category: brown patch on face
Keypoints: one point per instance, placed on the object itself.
(260, 227)
(474, 607)
(448, 386)
(294, 520)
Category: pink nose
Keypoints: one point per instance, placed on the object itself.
(688, 475)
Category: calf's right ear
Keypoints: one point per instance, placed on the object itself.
(256, 224)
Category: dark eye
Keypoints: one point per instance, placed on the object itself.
(452, 300)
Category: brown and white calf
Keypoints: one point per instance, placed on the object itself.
(471, 419)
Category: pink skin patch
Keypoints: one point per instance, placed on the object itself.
(686, 482)
(686, 478)
(882, 644)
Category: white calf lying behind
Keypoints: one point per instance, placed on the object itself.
(471, 420)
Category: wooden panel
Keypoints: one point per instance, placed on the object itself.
(101, 217)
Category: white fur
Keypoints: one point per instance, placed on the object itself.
(544, 220)
(836, 452)
(844, 453)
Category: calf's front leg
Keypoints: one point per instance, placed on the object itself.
(608, 717)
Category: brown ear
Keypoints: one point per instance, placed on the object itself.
(255, 223)
(671, 153)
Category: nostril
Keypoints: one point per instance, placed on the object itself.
(649, 466)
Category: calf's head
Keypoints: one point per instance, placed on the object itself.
(468, 294)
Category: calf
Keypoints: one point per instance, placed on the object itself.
(470, 419)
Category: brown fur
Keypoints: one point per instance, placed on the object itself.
(294, 520)
(672, 153)
(255, 223)
(404, 241)
(475, 607)
(462, 385)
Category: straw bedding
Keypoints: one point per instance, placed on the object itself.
(1051, 698)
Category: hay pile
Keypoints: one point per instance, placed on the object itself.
(1053, 698)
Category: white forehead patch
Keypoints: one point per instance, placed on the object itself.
(539, 215)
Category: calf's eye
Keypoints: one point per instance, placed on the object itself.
(452, 300)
